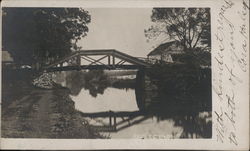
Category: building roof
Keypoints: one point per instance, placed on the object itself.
(6, 57)
(167, 47)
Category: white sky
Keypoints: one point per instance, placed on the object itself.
(118, 28)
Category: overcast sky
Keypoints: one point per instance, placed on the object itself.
(121, 29)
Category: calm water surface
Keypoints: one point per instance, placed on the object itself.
(100, 95)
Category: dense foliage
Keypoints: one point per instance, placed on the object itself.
(191, 26)
(41, 35)
(181, 78)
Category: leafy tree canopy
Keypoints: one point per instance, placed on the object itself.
(191, 26)
(42, 34)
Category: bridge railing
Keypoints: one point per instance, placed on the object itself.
(130, 58)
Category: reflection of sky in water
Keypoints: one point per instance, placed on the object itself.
(121, 100)
(150, 128)
(113, 99)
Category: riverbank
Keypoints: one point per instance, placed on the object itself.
(174, 79)
(30, 112)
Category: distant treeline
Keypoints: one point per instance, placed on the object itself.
(124, 84)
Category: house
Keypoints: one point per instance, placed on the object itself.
(6, 57)
(7, 60)
(165, 51)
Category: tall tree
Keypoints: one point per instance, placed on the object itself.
(190, 26)
(42, 34)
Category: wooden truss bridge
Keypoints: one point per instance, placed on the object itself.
(107, 59)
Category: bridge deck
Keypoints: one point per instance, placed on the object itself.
(101, 67)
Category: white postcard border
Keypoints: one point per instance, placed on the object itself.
(241, 90)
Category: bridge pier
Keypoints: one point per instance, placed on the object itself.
(146, 91)
(139, 89)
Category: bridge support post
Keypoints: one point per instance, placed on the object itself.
(110, 121)
(113, 60)
(78, 61)
(115, 122)
(109, 60)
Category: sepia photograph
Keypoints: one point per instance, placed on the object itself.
(133, 75)
(106, 73)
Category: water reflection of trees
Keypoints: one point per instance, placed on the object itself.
(75, 82)
(185, 99)
(123, 83)
(95, 81)
(191, 111)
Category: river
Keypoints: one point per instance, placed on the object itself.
(111, 103)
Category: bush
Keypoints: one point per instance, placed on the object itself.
(179, 77)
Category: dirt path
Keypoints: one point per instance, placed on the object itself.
(41, 120)
(29, 114)
(44, 114)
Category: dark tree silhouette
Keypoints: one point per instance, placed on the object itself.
(41, 35)
(191, 26)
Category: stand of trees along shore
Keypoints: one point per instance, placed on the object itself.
(190, 26)
(36, 36)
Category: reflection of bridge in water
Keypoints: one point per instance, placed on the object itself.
(127, 119)
(108, 59)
